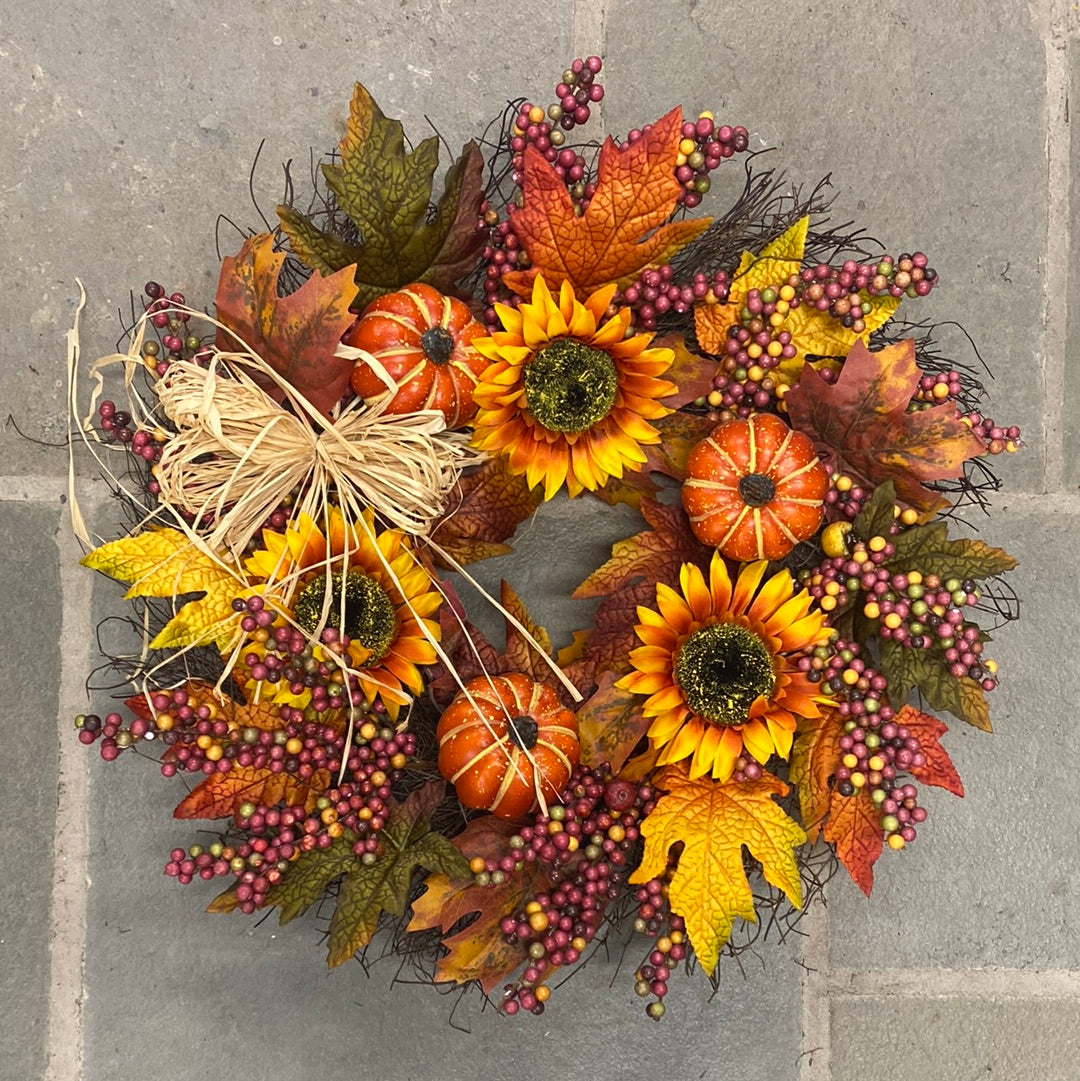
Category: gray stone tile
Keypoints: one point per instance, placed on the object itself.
(933, 137)
(1071, 434)
(994, 878)
(131, 128)
(953, 1040)
(29, 690)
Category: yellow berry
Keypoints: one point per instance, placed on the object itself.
(476, 864)
(335, 829)
(991, 666)
(876, 544)
(755, 372)
(827, 604)
(715, 398)
(687, 146)
(774, 349)
(876, 762)
(834, 538)
(850, 761)
(832, 588)
(783, 307)
(843, 484)
(536, 115)
(203, 742)
(706, 114)
(329, 816)
(787, 293)
(941, 390)
(538, 921)
(753, 350)
(542, 992)
(858, 780)
(294, 745)
(368, 731)
(850, 677)
(776, 319)
(895, 841)
(909, 516)
(213, 752)
(871, 610)
(893, 620)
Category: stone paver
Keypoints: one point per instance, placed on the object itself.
(954, 1040)
(1071, 398)
(28, 584)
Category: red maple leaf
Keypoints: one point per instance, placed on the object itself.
(938, 769)
(295, 334)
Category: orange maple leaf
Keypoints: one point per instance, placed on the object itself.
(938, 770)
(221, 793)
(713, 822)
(861, 425)
(295, 334)
(625, 227)
(611, 725)
(854, 827)
(815, 756)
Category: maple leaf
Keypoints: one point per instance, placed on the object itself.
(929, 549)
(296, 335)
(611, 724)
(387, 193)
(305, 879)
(486, 507)
(713, 822)
(813, 333)
(368, 891)
(815, 756)
(928, 670)
(692, 374)
(262, 715)
(854, 827)
(625, 227)
(938, 770)
(861, 423)
(165, 563)
(478, 951)
(221, 793)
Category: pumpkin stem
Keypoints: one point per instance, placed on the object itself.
(756, 489)
(437, 343)
(523, 732)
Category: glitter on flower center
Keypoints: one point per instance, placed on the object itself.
(369, 612)
(569, 386)
(723, 669)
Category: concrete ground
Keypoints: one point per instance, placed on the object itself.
(130, 127)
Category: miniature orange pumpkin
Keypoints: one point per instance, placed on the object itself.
(754, 488)
(512, 741)
(424, 342)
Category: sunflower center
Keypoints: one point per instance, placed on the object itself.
(569, 386)
(722, 669)
(437, 343)
(756, 489)
(368, 611)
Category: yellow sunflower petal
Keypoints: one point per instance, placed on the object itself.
(705, 754)
(695, 591)
(665, 725)
(719, 583)
(746, 585)
(774, 593)
(756, 739)
(727, 754)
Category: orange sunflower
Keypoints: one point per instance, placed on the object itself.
(368, 586)
(568, 397)
(719, 666)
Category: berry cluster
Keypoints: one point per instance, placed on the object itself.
(875, 749)
(701, 149)
(916, 610)
(668, 931)
(584, 845)
(655, 292)
(760, 339)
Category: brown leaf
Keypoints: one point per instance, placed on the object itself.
(296, 334)
(861, 424)
(611, 725)
(479, 951)
(221, 793)
(485, 509)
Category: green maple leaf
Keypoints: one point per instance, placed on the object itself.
(383, 886)
(386, 193)
(929, 549)
(928, 670)
(307, 877)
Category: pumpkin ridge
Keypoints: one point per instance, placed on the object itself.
(779, 453)
(781, 525)
(806, 468)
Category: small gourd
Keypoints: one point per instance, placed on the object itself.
(755, 488)
(514, 741)
(423, 340)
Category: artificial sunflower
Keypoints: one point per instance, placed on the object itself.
(719, 666)
(367, 585)
(568, 396)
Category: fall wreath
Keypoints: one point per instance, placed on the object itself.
(388, 387)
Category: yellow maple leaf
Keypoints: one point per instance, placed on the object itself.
(713, 821)
(165, 563)
(813, 333)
